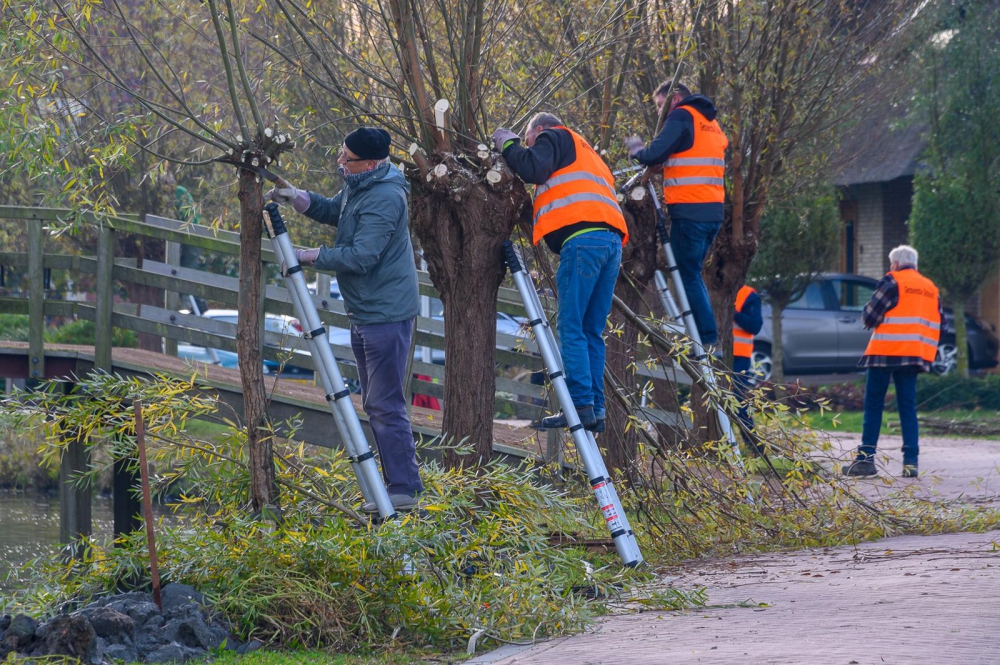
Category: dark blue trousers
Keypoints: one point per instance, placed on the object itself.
(876, 385)
(381, 351)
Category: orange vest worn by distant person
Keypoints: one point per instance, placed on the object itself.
(913, 327)
(742, 340)
(696, 175)
(584, 191)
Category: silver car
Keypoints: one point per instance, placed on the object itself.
(822, 331)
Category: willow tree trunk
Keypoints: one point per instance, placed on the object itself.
(462, 220)
(263, 488)
(621, 439)
(961, 342)
(777, 347)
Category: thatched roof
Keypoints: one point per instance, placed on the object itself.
(883, 147)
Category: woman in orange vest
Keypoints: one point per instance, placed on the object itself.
(747, 322)
(576, 212)
(905, 315)
(692, 149)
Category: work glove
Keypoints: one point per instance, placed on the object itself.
(305, 257)
(503, 135)
(282, 193)
(634, 144)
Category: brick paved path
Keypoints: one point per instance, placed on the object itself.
(909, 599)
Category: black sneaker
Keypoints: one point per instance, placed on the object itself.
(598, 426)
(910, 471)
(860, 468)
(558, 421)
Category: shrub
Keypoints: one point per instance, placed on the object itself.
(14, 327)
(82, 331)
(952, 391)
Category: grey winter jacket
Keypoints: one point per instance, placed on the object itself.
(372, 255)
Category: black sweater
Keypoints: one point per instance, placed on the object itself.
(554, 149)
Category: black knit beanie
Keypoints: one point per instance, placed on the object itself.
(369, 143)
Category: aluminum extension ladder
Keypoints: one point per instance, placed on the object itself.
(337, 395)
(680, 310)
(586, 445)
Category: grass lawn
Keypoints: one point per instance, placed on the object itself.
(263, 657)
(850, 421)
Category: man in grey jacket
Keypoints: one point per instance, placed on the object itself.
(373, 259)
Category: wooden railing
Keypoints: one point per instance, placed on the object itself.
(519, 352)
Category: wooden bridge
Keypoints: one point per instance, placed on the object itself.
(516, 397)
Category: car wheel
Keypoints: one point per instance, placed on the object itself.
(762, 363)
(946, 360)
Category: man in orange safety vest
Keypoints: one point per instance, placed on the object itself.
(905, 315)
(576, 213)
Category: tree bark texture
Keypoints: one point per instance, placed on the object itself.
(620, 441)
(462, 221)
(961, 341)
(263, 489)
(777, 348)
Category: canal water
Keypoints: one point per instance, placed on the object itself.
(29, 528)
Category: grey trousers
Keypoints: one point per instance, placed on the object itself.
(381, 351)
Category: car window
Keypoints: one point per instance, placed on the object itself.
(852, 295)
(812, 298)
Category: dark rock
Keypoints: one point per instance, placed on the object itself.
(113, 626)
(174, 653)
(192, 632)
(154, 622)
(121, 652)
(20, 632)
(4, 622)
(179, 597)
(249, 647)
(139, 610)
(130, 597)
(67, 636)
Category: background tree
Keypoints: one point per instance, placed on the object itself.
(400, 60)
(799, 239)
(189, 90)
(955, 224)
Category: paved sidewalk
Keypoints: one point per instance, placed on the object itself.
(909, 599)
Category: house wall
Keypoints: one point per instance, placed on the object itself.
(868, 228)
(882, 211)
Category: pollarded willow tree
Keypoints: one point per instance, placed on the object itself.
(786, 76)
(188, 87)
(441, 76)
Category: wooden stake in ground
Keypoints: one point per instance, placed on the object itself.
(147, 504)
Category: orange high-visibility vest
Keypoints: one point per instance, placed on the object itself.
(742, 340)
(584, 191)
(913, 327)
(696, 175)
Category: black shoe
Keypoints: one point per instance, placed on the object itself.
(597, 427)
(910, 471)
(558, 421)
(860, 468)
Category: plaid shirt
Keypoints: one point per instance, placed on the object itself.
(886, 297)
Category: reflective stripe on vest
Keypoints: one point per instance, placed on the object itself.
(913, 327)
(696, 175)
(584, 191)
(742, 340)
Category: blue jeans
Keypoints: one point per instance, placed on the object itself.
(588, 268)
(381, 351)
(691, 242)
(876, 385)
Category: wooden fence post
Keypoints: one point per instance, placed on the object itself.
(75, 517)
(103, 329)
(172, 298)
(127, 507)
(36, 300)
